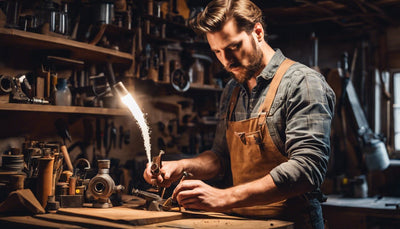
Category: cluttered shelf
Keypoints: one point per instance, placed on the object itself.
(79, 50)
(63, 109)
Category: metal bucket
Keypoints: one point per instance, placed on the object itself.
(376, 155)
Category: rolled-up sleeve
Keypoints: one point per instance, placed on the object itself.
(309, 111)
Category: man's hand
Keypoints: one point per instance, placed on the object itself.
(195, 194)
(170, 172)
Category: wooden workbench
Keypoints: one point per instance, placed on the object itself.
(360, 213)
(125, 217)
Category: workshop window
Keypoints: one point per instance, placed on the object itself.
(396, 110)
(382, 104)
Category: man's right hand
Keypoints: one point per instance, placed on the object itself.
(170, 172)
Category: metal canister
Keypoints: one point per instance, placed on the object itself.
(13, 162)
(45, 179)
(80, 190)
(62, 188)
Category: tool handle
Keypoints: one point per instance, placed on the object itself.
(67, 159)
(110, 74)
(72, 185)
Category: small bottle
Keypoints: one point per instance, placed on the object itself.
(197, 72)
(53, 89)
(63, 94)
(63, 26)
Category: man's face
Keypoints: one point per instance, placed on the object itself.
(237, 51)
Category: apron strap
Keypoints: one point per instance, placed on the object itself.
(269, 98)
(232, 102)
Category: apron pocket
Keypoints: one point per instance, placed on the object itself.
(250, 138)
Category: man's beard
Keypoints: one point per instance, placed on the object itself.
(247, 72)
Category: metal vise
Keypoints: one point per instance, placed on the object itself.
(153, 201)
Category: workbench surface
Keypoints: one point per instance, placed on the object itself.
(372, 212)
(384, 205)
(125, 217)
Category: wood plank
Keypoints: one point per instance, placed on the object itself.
(122, 215)
(81, 221)
(30, 222)
(199, 223)
(203, 220)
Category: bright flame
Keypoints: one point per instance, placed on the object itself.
(139, 116)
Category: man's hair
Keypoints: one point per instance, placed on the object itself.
(218, 12)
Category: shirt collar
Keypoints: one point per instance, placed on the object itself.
(269, 71)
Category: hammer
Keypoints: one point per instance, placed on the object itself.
(156, 166)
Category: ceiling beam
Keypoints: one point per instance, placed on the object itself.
(318, 7)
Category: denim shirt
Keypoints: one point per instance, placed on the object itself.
(299, 122)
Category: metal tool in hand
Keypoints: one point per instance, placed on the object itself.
(156, 164)
(155, 167)
(153, 201)
(170, 202)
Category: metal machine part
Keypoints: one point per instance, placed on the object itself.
(102, 186)
(154, 202)
(19, 89)
(180, 80)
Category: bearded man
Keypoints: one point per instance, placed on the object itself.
(273, 131)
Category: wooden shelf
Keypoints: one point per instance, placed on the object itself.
(201, 87)
(64, 109)
(77, 50)
(205, 87)
(158, 20)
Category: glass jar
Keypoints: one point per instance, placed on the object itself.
(63, 94)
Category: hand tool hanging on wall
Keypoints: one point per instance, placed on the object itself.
(105, 134)
(109, 72)
(98, 134)
(111, 139)
(113, 135)
(87, 140)
(63, 132)
(121, 136)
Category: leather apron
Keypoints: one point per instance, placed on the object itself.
(253, 153)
